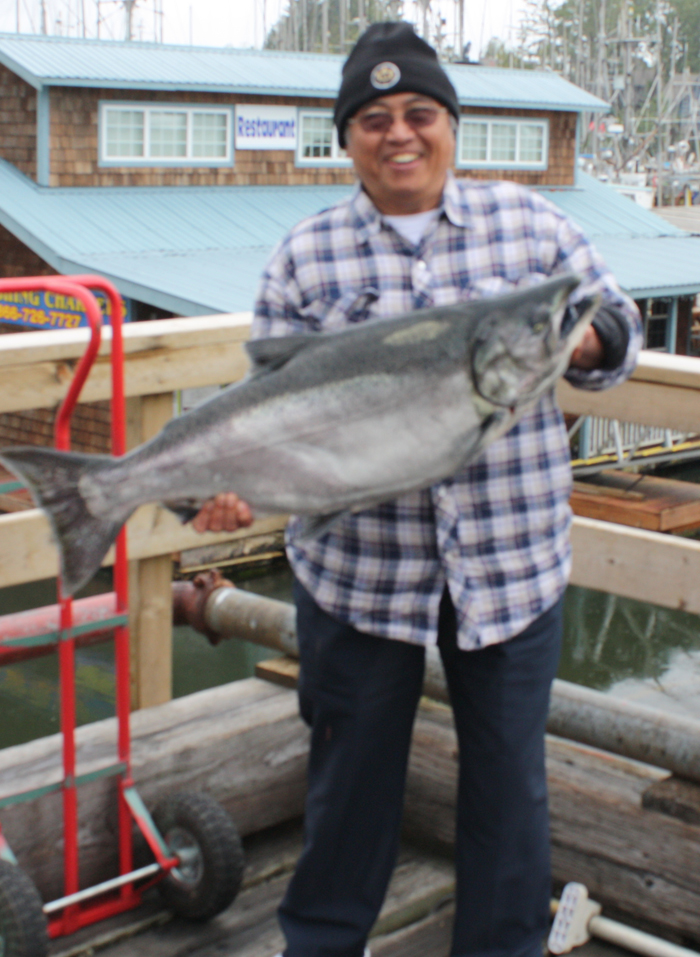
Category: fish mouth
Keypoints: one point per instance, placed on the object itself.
(514, 363)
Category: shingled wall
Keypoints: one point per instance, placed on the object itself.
(17, 122)
(74, 147)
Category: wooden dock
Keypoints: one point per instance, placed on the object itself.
(416, 920)
(628, 831)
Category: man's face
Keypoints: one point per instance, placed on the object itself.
(402, 167)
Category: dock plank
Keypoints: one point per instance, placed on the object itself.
(408, 925)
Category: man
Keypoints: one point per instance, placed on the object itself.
(477, 564)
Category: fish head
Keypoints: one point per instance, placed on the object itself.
(520, 349)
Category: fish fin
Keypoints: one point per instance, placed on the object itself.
(53, 479)
(185, 508)
(269, 354)
(315, 526)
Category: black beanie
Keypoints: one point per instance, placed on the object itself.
(390, 58)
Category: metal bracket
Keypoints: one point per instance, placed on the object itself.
(146, 825)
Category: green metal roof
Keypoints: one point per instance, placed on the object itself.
(200, 249)
(60, 61)
(649, 256)
(191, 250)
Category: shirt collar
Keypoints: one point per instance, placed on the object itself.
(368, 219)
(454, 203)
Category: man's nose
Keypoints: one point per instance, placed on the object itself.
(400, 129)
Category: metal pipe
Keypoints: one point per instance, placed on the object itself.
(577, 713)
(635, 940)
(95, 891)
(629, 938)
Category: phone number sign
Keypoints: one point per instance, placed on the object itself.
(40, 309)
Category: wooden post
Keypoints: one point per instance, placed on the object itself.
(150, 602)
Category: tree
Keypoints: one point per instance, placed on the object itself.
(301, 26)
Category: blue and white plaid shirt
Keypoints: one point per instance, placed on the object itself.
(498, 532)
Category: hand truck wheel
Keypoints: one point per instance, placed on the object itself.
(23, 930)
(202, 834)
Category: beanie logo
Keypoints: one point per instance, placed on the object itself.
(384, 76)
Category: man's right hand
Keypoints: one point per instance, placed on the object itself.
(225, 512)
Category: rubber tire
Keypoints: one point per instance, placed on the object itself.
(23, 927)
(200, 819)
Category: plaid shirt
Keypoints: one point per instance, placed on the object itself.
(498, 532)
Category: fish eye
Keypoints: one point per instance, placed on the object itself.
(539, 325)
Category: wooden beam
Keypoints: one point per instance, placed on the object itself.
(28, 553)
(638, 862)
(184, 353)
(150, 598)
(633, 562)
(33, 348)
(661, 405)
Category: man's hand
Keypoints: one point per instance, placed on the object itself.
(589, 353)
(224, 513)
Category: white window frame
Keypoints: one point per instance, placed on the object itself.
(335, 159)
(489, 163)
(147, 108)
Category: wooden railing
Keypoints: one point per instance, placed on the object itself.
(166, 355)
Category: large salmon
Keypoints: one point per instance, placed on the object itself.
(323, 423)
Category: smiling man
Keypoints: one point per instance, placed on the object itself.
(477, 564)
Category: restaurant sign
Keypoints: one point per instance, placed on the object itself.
(41, 309)
(266, 127)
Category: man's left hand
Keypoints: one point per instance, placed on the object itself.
(589, 353)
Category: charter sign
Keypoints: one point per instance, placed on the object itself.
(266, 127)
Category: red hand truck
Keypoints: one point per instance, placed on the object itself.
(198, 862)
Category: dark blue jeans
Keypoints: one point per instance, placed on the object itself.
(359, 694)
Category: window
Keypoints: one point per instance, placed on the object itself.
(317, 143)
(132, 134)
(502, 142)
(659, 317)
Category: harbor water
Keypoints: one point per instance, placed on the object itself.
(626, 648)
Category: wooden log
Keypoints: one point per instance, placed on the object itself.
(243, 743)
(606, 830)
(642, 865)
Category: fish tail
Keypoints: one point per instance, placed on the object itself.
(53, 479)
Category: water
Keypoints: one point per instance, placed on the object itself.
(29, 690)
(622, 647)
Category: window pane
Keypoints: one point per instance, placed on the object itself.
(474, 141)
(168, 134)
(316, 136)
(503, 137)
(124, 133)
(531, 143)
(209, 132)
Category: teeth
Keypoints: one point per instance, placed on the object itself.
(404, 157)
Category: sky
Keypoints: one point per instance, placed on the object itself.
(237, 23)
